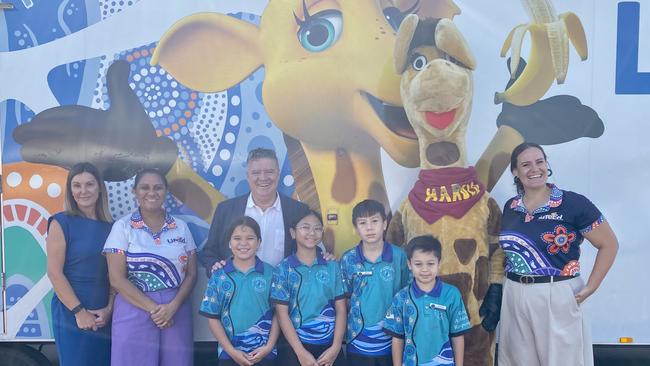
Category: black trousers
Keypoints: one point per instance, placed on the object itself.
(361, 360)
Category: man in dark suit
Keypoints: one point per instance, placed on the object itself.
(273, 211)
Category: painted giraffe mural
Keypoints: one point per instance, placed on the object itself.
(329, 83)
(330, 61)
(329, 86)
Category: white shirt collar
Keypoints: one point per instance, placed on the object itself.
(276, 205)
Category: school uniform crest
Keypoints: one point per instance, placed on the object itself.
(259, 284)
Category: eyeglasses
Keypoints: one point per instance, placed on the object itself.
(308, 229)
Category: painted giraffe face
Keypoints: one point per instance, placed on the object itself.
(328, 75)
(331, 62)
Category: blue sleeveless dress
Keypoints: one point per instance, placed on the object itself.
(86, 269)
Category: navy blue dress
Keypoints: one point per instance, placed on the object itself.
(86, 269)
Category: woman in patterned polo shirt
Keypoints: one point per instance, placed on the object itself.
(542, 229)
(152, 265)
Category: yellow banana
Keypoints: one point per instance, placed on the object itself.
(549, 52)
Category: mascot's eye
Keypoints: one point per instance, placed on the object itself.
(320, 31)
(418, 62)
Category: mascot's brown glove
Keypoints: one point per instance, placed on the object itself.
(490, 310)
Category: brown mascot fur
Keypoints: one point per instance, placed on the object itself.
(448, 200)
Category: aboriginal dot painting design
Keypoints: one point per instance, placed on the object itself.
(25, 225)
(212, 131)
(36, 325)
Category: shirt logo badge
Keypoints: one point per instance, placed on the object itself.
(179, 240)
(259, 284)
(387, 273)
(323, 276)
(551, 216)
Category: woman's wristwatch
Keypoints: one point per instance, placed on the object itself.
(77, 309)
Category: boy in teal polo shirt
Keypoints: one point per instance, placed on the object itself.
(236, 302)
(309, 300)
(373, 271)
(427, 319)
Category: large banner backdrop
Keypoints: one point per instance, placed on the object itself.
(191, 86)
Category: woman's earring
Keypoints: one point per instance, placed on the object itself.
(550, 172)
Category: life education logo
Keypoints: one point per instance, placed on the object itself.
(179, 240)
(551, 216)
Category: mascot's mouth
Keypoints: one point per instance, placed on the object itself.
(440, 121)
(392, 116)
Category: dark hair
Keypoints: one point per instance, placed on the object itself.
(294, 225)
(304, 213)
(245, 221)
(146, 171)
(261, 153)
(425, 243)
(367, 208)
(101, 206)
(513, 161)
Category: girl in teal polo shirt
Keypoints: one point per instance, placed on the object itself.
(237, 304)
(309, 299)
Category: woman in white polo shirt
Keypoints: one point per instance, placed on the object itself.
(152, 265)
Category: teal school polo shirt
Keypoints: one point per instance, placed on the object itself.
(371, 287)
(427, 321)
(241, 301)
(310, 293)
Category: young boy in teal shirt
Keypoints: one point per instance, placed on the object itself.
(427, 319)
(373, 271)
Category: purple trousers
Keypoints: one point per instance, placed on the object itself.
(137, 341)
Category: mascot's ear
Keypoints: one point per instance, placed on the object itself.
(451, 41)
(404, 38)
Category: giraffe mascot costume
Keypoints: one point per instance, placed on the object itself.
(448, 200)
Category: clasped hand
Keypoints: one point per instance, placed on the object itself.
(163, 314)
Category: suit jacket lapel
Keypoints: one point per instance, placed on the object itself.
(287, 217)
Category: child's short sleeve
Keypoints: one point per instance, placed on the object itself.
(339, 284)
(394, 320)
(589, 217)
(117, 241)
(458, 320)
(211, 305)
(280, 285)
(190, 245)
(404, 268)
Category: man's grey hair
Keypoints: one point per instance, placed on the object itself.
(262, 153)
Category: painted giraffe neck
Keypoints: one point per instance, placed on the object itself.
(343, 178)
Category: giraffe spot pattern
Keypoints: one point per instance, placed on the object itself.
(465, 249)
